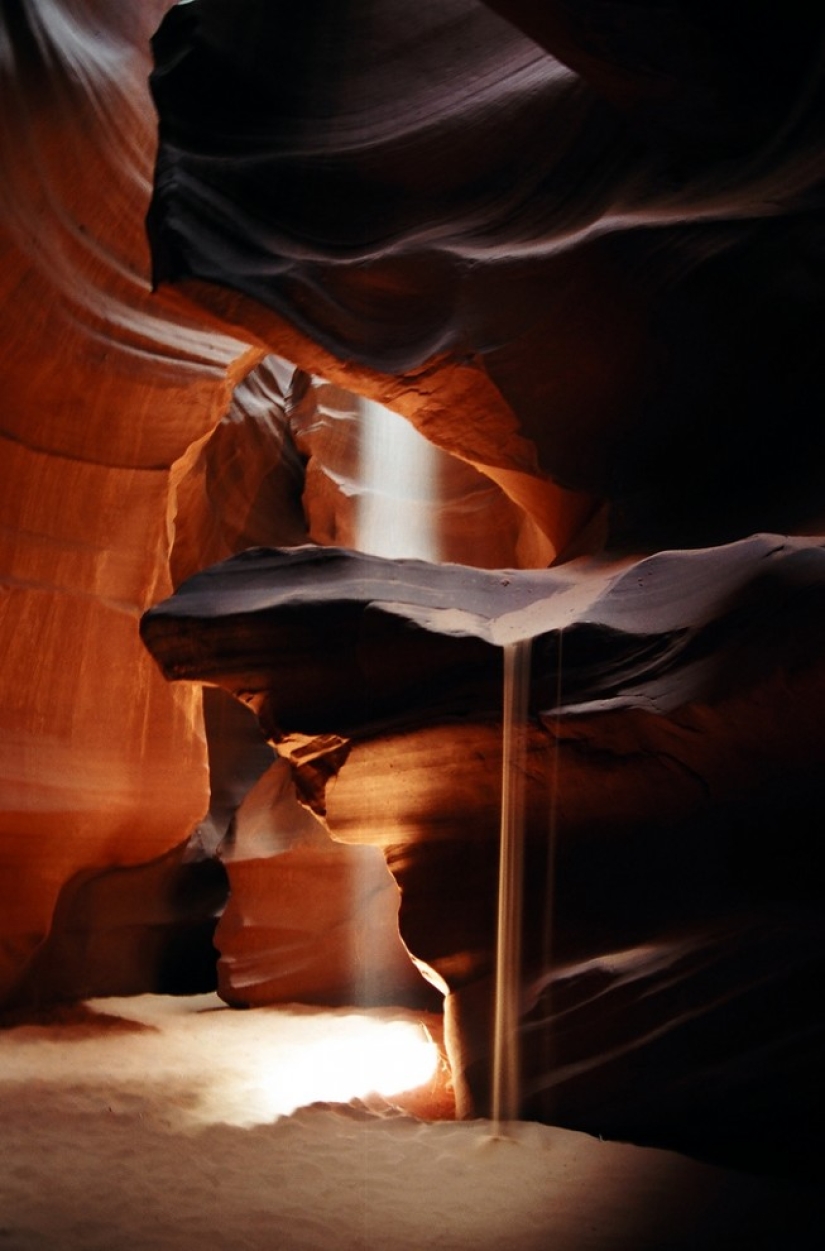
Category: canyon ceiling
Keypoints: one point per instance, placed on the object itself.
(579, 247)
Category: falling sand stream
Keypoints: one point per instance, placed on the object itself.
(395, 519)
(506, 1082)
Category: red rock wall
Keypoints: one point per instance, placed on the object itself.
(588, 263)
(308, 920)
(132, 455)
(104, 391)
(672, 930)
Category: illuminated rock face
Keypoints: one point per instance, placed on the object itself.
(309, 920)
(105, 390)
(670, 949)
(470, 518)
(137, 446)
(583, 255)
(592, 250)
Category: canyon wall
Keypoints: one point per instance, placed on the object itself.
(581, 253)
(142, 438)
(105, 392)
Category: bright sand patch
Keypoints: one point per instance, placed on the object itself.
(153, 1124)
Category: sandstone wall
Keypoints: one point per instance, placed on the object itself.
(104, 392)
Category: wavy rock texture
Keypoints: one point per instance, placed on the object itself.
(105, 389)
(579, 247)
(469, 518)
(586, 242)
(671, 949)
(242, 484)
(309, 920)
(596, 256)
(138, 444)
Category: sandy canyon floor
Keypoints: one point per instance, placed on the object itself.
(165, 1124)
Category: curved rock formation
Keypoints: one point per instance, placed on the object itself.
(309, 920)
(242, 484)
(591, 251)
(468, 517)
(579, 247)
(137, 446)
(670, 947)
(105, 389)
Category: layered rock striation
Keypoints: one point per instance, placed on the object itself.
(105, 389)
(581, 252)
(670, 947)
(586, 245)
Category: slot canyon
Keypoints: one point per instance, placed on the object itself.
(344, 346)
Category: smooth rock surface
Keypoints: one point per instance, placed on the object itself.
(105, 388)
(308, 920)
(581, 252)
(673, 930)
(586, 245)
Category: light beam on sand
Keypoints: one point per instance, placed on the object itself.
(209, 1064)
(118, 1129)
(335, 1060)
